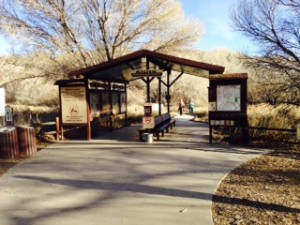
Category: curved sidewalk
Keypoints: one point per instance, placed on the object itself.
(118, 180)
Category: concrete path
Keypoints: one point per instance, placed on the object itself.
(119, 180)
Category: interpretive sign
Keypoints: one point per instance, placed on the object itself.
(2, 102)
(123, 102)
(115, 103)
(73, 105)
(212, 106)
(229, 98)
(95, 103)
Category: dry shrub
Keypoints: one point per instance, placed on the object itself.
(201, 112)
(26, 115)
(38, 91)
(268, 116)
(276, 117)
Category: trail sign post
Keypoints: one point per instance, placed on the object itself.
(148, 119)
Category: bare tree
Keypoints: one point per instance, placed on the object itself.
(92, 31)
(52, 37)
(275, 26)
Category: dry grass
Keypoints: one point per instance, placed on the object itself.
(282, 116)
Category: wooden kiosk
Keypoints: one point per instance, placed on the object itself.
(82, 101)
(228, 102)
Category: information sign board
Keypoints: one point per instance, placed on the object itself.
(2, 102)
(73, 105)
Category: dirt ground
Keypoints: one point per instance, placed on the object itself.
(262, 191)
(6, 164)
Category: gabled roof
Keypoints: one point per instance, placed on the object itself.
(120, 69)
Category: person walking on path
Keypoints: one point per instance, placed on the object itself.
(180, 108)
(191, 107)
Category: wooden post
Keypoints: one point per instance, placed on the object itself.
(148, 89)
(88, 110)
(168, 90)
(126, 107)
(57, 128)
(62, 133)
(159, 96)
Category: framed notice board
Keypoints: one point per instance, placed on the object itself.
(227, 96)
(73, 105)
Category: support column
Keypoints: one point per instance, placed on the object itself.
(89, 129)
(168, 90)
(110, 121)
(148, 89)
(159, 96)
(126, 107)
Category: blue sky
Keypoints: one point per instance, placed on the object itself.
(219, 32)
(4, 48)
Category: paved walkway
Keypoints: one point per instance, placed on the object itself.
(118, 180)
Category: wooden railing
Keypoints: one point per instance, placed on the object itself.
(260, 133)
(274, 134)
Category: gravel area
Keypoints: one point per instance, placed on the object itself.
(262, 191)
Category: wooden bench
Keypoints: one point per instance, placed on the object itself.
(162, 125)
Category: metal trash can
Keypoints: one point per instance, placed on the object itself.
(149, 137)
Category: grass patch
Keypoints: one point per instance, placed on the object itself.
(267, 116)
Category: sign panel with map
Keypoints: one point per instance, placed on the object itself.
(228, 98)
(73, 105)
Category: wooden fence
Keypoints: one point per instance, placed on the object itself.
(273, 134)
(254, 134)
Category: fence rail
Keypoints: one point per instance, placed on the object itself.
(287, 136)
(260, 133)
(273, 129)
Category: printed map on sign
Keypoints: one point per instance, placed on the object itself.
(229, 98)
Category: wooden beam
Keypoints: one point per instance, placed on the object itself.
(176, 79)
